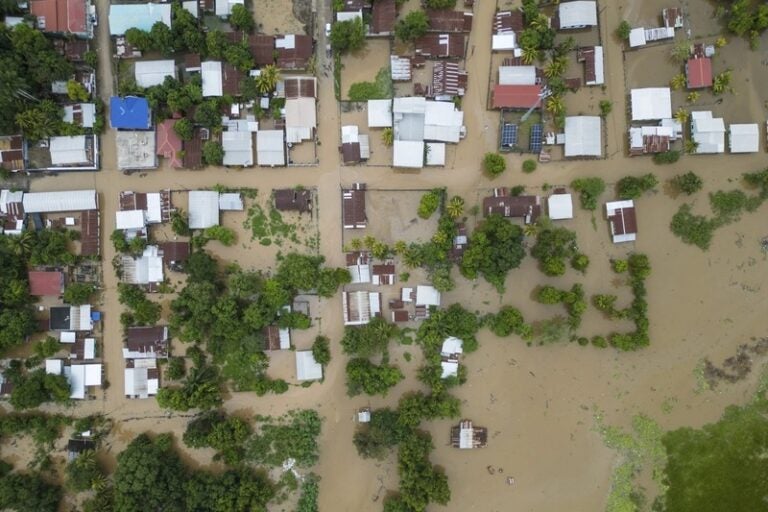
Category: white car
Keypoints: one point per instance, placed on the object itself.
(327, 30)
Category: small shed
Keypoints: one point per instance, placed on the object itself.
(46, 284)
(560, 206)
(270, 148)
(578, 14)
(583, 136)
(622, 220)
(306, 366)
(744, 138)
(153, 72)
(379, 113)
(466, 436)
(293, 199)
(203, 209)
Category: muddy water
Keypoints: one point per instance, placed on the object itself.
(536, 401)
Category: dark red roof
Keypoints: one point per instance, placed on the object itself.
(193, 151)
(350, 152)
(624, 221)
(11, 153)
(147, 339)
(438, 46)
(505, 22)
(447, 20)
(587, 56)
(296, 57)
(448, 79)
(192, 60)
(699, 73)
(262, 48)
(288, 199)
(515, 96)
(353, 207)
(400, 315)
(230, 79)
(44, 284)
(383, 17)
(300, 87)
(89, 233)
(513, 206)
(65, 16)
(168, 143)
(174, 252)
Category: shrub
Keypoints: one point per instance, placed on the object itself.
(623, 30)
(414, 25)
(631, 187)
(605, 107)
(549, 295)
(213, 153)
(529, 166)
(381, 88)
(176, 368)
(494, 164)
(78, 293)
(688, 183)
(692, 229)
(583, 341)
(599, 341)
(347, 36)
(429, 203)
(580, 262)
(619, 266)
(666, 157)
(321, 350)
(589, 190)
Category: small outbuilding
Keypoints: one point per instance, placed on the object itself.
(578, 14)
(560, 206)
(130, 113)
(583, 136)
(306, 366)
(153, 72)
(707, 132)
(466, 436)
(379, 113)
(744, 138)
(622, 220)
(651, 103)
(270, 148)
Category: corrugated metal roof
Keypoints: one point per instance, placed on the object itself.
(153, 72)
(581, 13)
(379, 113)
(203, 209)
(408, 154)
(270, 149)
(69, 201)
(212, 82)
(583, 136)
(238, 148)
(141, 16)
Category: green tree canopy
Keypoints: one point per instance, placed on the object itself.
(495, 248)
(414, 25)
(347, 36)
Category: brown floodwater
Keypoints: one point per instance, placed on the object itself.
(537, 402)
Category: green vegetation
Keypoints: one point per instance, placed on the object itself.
(84, 472)
(321, 350)
(745, 18)
(630, 187)
(34, 388)
(269, 227)
(434, 255)
(363, 376)
(293, 435)
(226, 435)
(666, 157)
(375, 439)
(414, 25)
(691, 228)
(226, 236)
(455, 207)
(606, 107)
(554, 246)
(529, 166)
(589, 190)
(141, 310)
(494, 164)
(184, 128)
(580, 262)
(430, 202)
(310, 491)
(572, 299)
(509, 321)
(688, 183)
(213, 153)
(347, 36)
(380, 88)
(364, 342)
(241, 18)
(495, 248)
(27, 492)
(623, 30)
(16, 314)
(79, 293)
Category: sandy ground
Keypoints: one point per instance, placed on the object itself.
(537, 402)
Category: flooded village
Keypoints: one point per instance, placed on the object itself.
(390, 255)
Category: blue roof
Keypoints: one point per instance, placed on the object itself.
(141, 16)
(129, 113)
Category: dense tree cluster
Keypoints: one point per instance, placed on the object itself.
(589, 190)
(572, 299)
(16, 313)
(79, 293)
(27, 492)
(434, 255)
(33, 388)
(411, 27)
(553, 247)
(745, 18)
(347, 36)
(631, 187)
(507, 321)
(363, 376)
(141, 310)
(495, 248)
(225, 434)
(83, 472)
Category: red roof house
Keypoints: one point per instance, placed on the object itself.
(699, 71)
(516, 96)
(61, 16)
(169, 144)
(46, 284)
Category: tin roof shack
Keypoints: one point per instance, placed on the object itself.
(466, 436)
(300, 87)
(707, 132)
(622, 220)
(276, 338)
(441, 46)
(193, 148)
(293, 199)
(153, 72)
(583, 136)
(146, 342)
(383, 17)
(355, 146)
(673, 17)
(447, 20)
(70, 318)
(175, 254)
(12, 153)
(270, 148)
(448, 80)
(300, 119)
(157, 206)
(80, 114)
(460, 242)
(359, 266)
(203, 209)
(136, 149)
(293, 51)
(70, 153)
(560, 205)
(59, 202)
(146, 269)
(592, 57)
(383, 274)
(698, 71)
(84, 349)
(576, 15)
(46, 284)
(81, 377)
(501, 203)
(353, 207)
(66, 17)
(379, 113)
(11, 212)
(141, 378)
(645, 140)
(73, 50)
(360, 307)
(516, 97)
(142, 16)
(238, 148)
(212, 80)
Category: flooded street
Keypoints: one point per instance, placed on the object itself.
(537, 402)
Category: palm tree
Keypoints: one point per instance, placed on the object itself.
(22, 244)
(356, 244)
(540, 22)
(721, 82)
(555, 105)
(400, 247)
(266, 82)
(691, 146)
(554, 68)
(530, 230)
(678, 81)
(412, 259)
(388, 137)
(439, 237)
(681, 116)
(369, 242)
(455, 207)
(693, 97)
(530, 54)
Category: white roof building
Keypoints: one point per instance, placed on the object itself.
(707, 132)
(744, 138)
(452, 345)
(443, 122)
(435, 152)
(203, 209)
(360, 307)
(130, 220)
(599, 68)
(52, 202)
(68, 150)
(651, 103)
(238, 148)
(578, 14)
(270, 149)
(637, 37)
(501, 42)
(427, 296)
(400, 68)
(87, 112)
(306, 366)
(583, 136)
(192, 6)
(153, 72)
(517, 75)
(300, 119)
(146, 269)
(560, 206)
(231, 202)
(349, 15)
(211, 73)
(408, 154)
(138, 384)
(379, 113)
(82, 376)
(141, 16)
(360, 271)
(224, 7)
(54, 366)
(622, 219)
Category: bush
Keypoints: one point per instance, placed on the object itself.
(692, 229)
(631, 187)
(321, 350)
(213, 153)
(78, 293)
(580, 262)
(688, 183)
(440, 4)
(494, 164)
(605, 107)
(549, 295)
(176, 368)
(589, 190)
(599, 341)
(429, 203)
(381, 88)
(414, 25)
(241, 18)
(529, 166)
(619, 266)
(666, 157)
(623, 30)
(347, 36)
